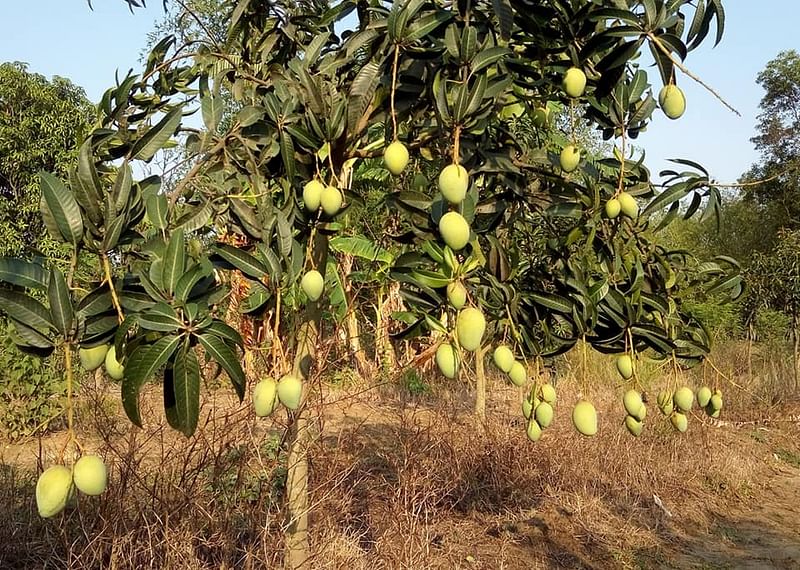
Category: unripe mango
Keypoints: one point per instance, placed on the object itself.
(312, 194)
(703, 396)
(92, 358)
(534, 431)
(664, 401)
(672, 101)
(503, 358)
(265, 397)
(574, 82)
(447, 360)
(570, 158)
(518, 375)
(544, 414)
(541, 116)
(628, 205)
(683, 398)
(456, 294)
(527, 408)
(453, 183)
(454, 230)
(679, 421)
(632, 400)
(90, 475)
(625, 366)
(290, 391)
(331, 200)
(584, 418)
(634, 426)
(613, 208)
(470, 326)
(641, 414)
(715, 402)
(313, 284)
(52, 490)
(113, 368)
(548, 393)
(395, 157)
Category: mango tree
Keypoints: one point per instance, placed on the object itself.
(521, 240)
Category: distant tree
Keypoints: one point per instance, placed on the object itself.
(41, 124)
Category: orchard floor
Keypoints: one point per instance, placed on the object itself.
(402, 482)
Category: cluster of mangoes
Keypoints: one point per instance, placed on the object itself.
(267, 393)
(56, 484)
(470, 326)
(317, 195)
(537, 407)
(92, 358)
(504, 359)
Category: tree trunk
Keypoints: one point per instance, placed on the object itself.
(298, 548)
(480, 384)
(796, 350)
(351, 320)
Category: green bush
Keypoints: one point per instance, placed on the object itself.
(31, 389)
(772, 325)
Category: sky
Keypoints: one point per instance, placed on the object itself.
(66, 38)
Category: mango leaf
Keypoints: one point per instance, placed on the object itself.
(186, 385)
(156, 206)
(60, 302)
(211, 107)
(158, 135)
(88, 191)
(62, 208)
(21, 273)
(174, 262)
(363, 247)
(27, 338)
(160, 317)
(141, 365)
(25, 309)
(122, 186)
(241, 260)
(170, 406)
(224, 331)
(553, 302)
(226, 357)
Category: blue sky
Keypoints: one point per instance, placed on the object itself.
(64, 37)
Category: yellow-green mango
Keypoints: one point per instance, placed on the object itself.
(113, 368)
(570, 158)
(447, 360)
(527, 408)
(703, 396)
(518, 375)
(613, 208)
(454, 230)
(679, 421)
(672, 101)
(548, 393)
(52, 490)
(312, 194)
(541, 117)
(470, 326)
(331, 200)
(456, 294)
(503, 358)
(584, 418)
(534, 431)
(544, 414)
(92, 358)
(395, 157)
(290, 391)
(715, 402)
(313, 284)
(634, 426)
(90, 475)
(628, 205)
(574, 82)
(265, 397)
(453, 183)
(625, 366)
(632, 400)
(683, 398)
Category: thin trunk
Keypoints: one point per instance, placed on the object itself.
(796, 350)
(750, 352)
(351, 319)
(298, 549)
(480, 384)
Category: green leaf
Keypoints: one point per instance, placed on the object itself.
(241, 260)
(60, 302)
(363, 247)
(141, 365)
(487, 57)
(426, 24)
(505, 16)
(174, 263)
(29, 337)
(62, 208)
(195, 217)
(226, 357)
(553, 302)
(211, 107)
(157, 136)
(161, 317)
(23, 273)
(156, 207)
(186, 385)
(188, 280)
(88, 191)
(225, 332)
(25, 309)
(122, 186)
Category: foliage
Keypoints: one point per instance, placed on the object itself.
(41, 125)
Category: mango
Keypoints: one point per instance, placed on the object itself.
(265, 397)
(395, 157)
(672, 101)
(634, 426)
(548, 393)
(570, 158)
(312, 284)
(715, 402)
(453, 183)
(447, 360)
(113, 368)
(613, 208)
(544, 414)
(470, 326)
(312, 194)
(628, 205)
(534, 431)
(679, 421)
(625, 366)
(574, 82)
(518, 375)
(527, 408)
(331, 200)
(290, 391)
(456, 294)
(503, 358)
(584, 418)
(92, 358)
(683, 398)
(52, 490)
(632, 400)
(541, 117)
(454, 230)
(90, 475)
(703, 396)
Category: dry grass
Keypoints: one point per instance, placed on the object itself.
(401, 482)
